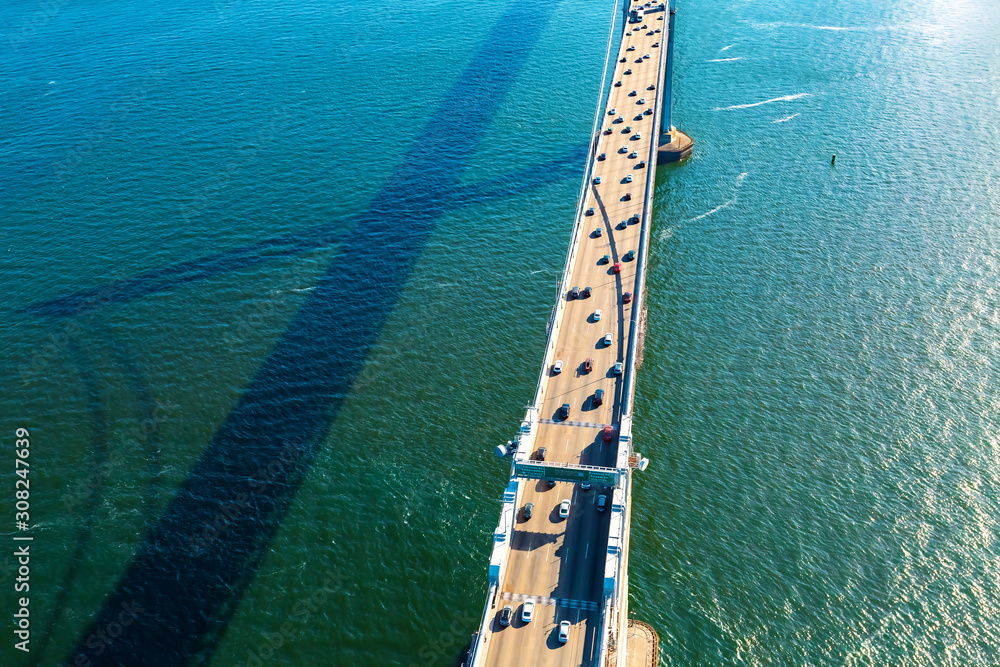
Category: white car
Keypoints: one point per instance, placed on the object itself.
(611, 112)
(564, 632)
(597, 180)
(557, 367)
(597, 315)
(607, 339)
(563, 510)
(642, 100)
(634, 154)
(628, 178)
(527, 610)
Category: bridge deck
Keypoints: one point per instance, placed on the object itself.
(560, 563)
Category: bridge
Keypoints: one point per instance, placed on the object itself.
(575, 442)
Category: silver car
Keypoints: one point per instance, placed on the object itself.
(564, 632)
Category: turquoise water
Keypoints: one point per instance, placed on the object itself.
(306, 253)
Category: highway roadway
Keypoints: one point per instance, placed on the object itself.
(559, 563)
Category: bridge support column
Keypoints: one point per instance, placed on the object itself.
(674, 145)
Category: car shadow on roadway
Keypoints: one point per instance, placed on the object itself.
(528, 540)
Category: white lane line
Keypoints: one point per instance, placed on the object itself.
(586, 552)
(579, 605)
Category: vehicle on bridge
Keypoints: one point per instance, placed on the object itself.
(564, 509)
(564, 632)
(505, 615)
(527, 611)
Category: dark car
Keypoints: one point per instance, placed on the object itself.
(629, 256)
(627, 197)
(627, 297)
(598, 232)
(628, 71)
(564, 411)
(609, 433)
(623, 224)
(605, 259)
(602, 157)
(528, 510)
(574, 293)
(585, 294)
(505, 615)
(598, 397)
(588, 365)
(590, 211)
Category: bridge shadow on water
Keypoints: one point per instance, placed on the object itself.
(188, 581)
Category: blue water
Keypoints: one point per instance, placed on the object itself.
(277, 280)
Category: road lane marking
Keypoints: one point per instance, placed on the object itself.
(572, 423)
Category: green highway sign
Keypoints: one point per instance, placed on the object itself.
(608, 477)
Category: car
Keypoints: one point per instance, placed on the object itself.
(527, 611)
(564, 411)
(602, 157)
(586, 292)
(588, 365)
(642, 164)
(633, 94)
(623, 224)
(607, 338)
(639, 117)
(656, 45)
(541, 453)
(634, 155)
(627, 179)
(564, 632)
(618, 368)
(551, 483)
(627, 297)
(528, 510)
(619, 120)
(557, 368)
(646, 56)
(628, 71)
(637, 136)
(629, 256)
(597, 315)
(590, 211)
(609, 433)
(574, 293)
(564, 509)
(651, 87)
(605, 259)
(642, 100)
(599, 397)
(623, 59)
(608, 131)
(599, 232)
(657, 30)
(585, 486)
(618, 84)
(627, 196)
(628, 34)
(624, 148)
(505, 615)
(602, 503)
(611, 112)
(638, 60)
(648, 112)
(634, 220)
(627, 128)
(597, 180)
(631, 48)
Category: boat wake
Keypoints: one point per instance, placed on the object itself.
(786, 98)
